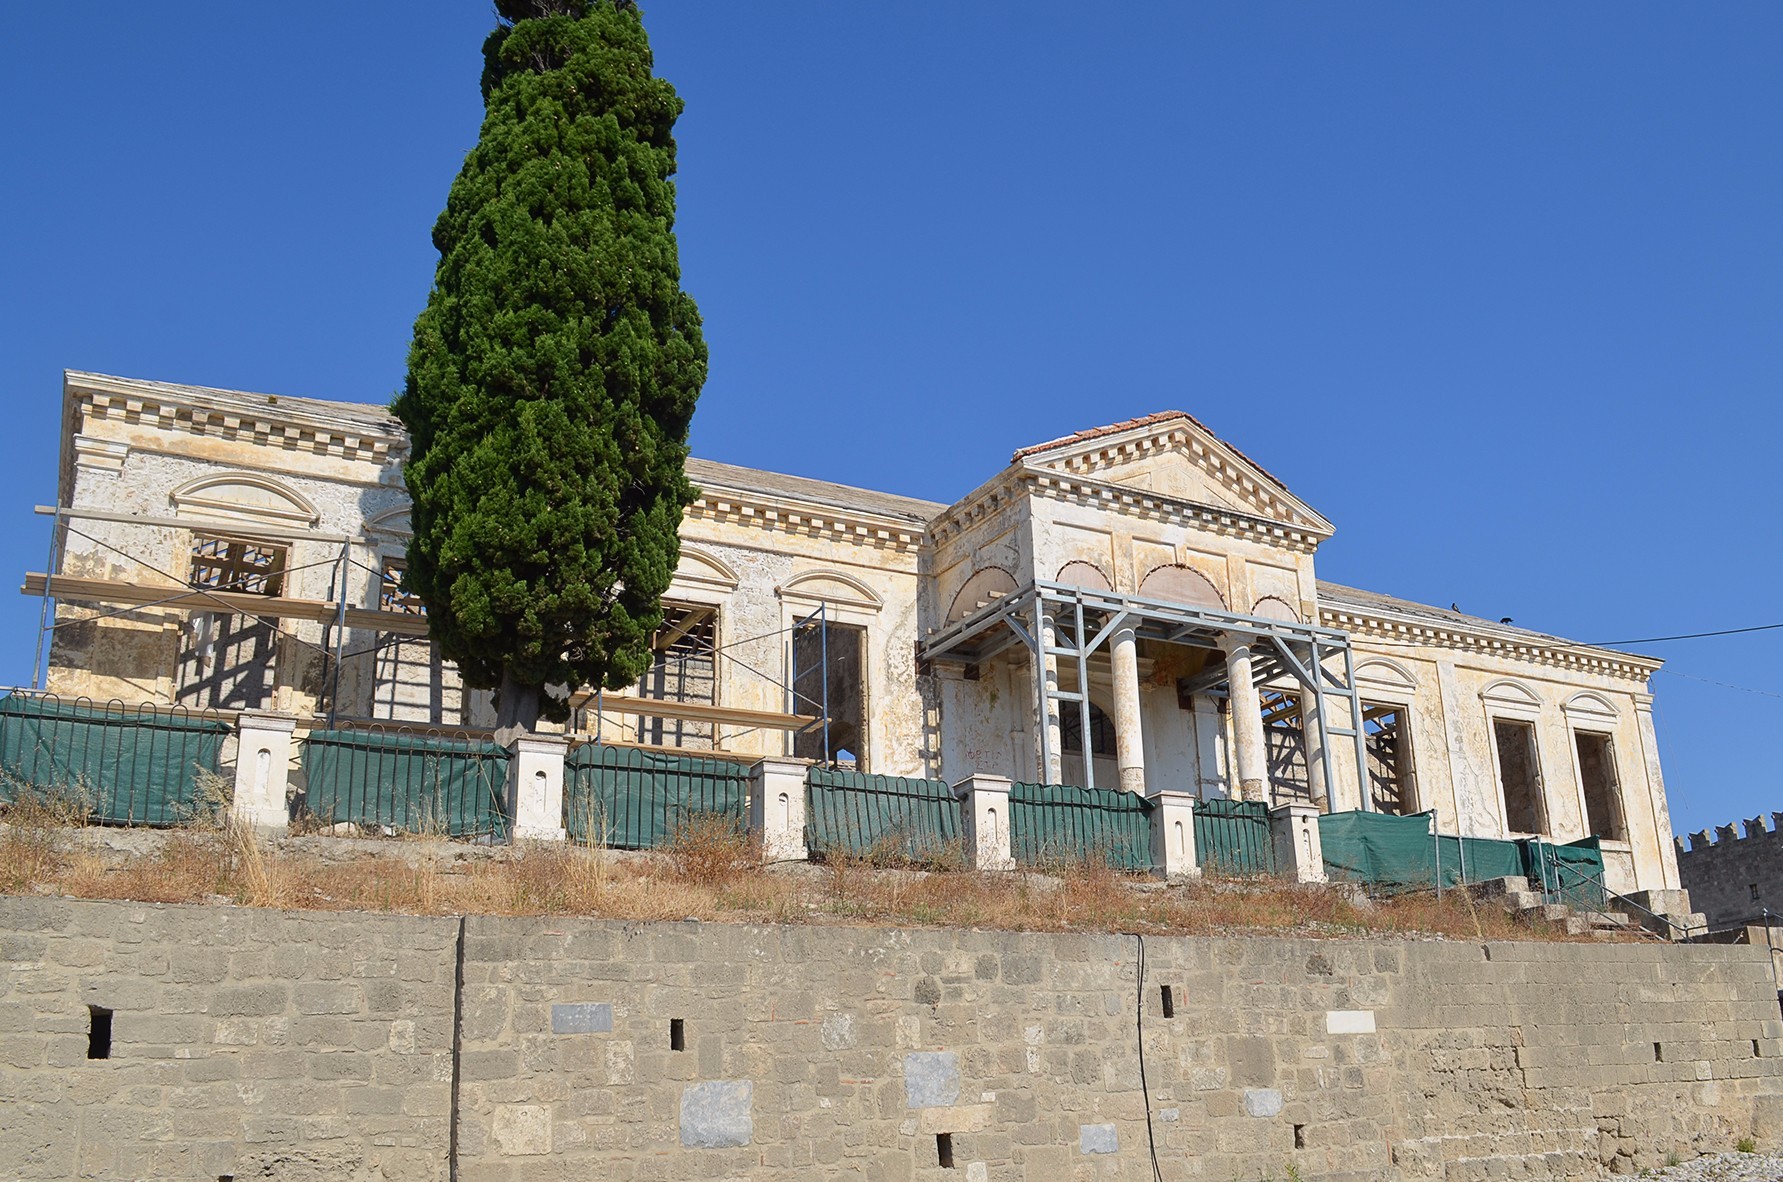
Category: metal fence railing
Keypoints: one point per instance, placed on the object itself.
(852, 813)
(388, 780)
(113, 762)
(1059, 823)
(1233, 837)
(632, 799)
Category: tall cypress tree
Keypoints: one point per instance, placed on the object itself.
(554, 371)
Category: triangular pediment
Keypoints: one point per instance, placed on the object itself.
(1171, 455)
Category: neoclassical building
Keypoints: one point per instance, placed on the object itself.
(1134, 606)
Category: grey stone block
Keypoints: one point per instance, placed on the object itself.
(717, 1114)
(931, 1079)
(1098, 1139)
(1262, 1102)
(585, 1017)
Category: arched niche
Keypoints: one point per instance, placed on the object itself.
(1586, 706)
(1511, 695)
(1176, 583)
(1274, 607)
(1382, 672)
(1087, 575)
(245, 495)
(701, 569)
(831, 587)
(391, 523)
(984, 586)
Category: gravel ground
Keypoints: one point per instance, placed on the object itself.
(1727, 1167)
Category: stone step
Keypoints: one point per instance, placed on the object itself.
(1496, 888)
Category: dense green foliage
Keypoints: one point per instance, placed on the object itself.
(554, 371)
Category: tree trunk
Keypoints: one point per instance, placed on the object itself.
(517, 708)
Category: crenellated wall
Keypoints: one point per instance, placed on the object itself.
(1733, 879)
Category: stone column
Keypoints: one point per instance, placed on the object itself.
(1251, 759)
(535, 787)
(1173, 835)
(777, 809)
(1313, 738)
(1048, 670)
(1129, 735)
(262, 766)
(984, 822)
(1298, 853)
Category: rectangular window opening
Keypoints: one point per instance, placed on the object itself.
(1167, 998)
(829, 662)
(1387, 741)
(98, 1032)
(1285, 746)
(1658, 1054)
(1519, 776)
(683, 670)
(1755, 1048)
(1299, 1136)
(226, 658)
(1597, 775)
(1752, 889)
(944, 1150)
(677, 1035)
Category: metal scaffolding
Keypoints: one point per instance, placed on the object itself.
(1083, 620)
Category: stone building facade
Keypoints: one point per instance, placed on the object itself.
(1135, 606)
(1733, 880)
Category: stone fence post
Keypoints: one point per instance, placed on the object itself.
(535, 787)
(1173, 835)
(777, 809)
(984, 822)
(262, 769)
(1298, 854)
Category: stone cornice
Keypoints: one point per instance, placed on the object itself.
(290, 428)
(782, 515)
(1406, 631)
(1138, 502)
(1235, 472)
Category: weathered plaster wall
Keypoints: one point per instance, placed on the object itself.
(248, 1043)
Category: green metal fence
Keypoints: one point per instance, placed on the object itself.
(635, 800)
(1054, 823)
(117, 764)
(1233, 837)
(403, 780)
(881, 816)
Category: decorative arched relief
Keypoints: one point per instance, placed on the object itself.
(1087, 575)
(1589, 707)
(1274, 607)
(246, 495)
(1382, 672)
(1181, 584)
(831, 587)
(391, 523)
(700, 569)
(1512, 694)
(983, 587)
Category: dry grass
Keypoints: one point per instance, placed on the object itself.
(708, 871)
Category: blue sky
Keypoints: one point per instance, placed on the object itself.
(1497, 288)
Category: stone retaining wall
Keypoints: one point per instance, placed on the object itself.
(263, 1044)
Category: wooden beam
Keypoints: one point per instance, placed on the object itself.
(121, 592)
(693, 712)
(669, 634)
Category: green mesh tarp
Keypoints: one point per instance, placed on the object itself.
(121, 765)
(1399, 853)
(1233, 837)
(406, 782)
(1053, 823)
(880, 816)
(635, 800)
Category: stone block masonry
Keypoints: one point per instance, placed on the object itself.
(249, 1043)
